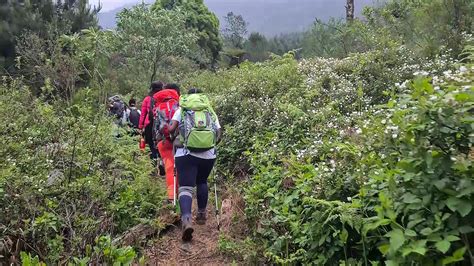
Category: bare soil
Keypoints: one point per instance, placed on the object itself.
(169, 249)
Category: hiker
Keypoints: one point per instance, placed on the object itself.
(167, 102)
(133, 114)
(145, 125)
(173, 86)
(117, 109)
(199, 132)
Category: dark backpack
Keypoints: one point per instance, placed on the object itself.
(134, 117)
(117, 109)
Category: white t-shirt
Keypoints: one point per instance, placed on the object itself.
(210, 154)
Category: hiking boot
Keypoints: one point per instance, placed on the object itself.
(188, 230)
(161, 168)
(201, 217)
(161, 171)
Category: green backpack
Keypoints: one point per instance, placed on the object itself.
(198, 131)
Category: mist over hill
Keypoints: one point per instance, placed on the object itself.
(270, 17)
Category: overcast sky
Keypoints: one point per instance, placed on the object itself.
(111, 4)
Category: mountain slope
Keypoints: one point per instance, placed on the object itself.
(270, 17)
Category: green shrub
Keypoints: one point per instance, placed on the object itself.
(419, 198)
(323, 145)
(65, 179)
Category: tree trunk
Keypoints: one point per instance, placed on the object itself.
(350, 10)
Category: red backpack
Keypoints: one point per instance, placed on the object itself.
(166, 104)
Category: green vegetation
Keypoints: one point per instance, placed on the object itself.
(44, 17)
(428, 28)
(204, 22)
(344, 169)
(65, 180)
(356, 149)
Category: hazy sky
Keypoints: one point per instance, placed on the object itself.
(111, 4)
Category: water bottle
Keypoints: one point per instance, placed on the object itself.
(142, 144)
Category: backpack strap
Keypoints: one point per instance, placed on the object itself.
(150, 111)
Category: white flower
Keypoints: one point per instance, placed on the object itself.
(421, 73)
(463, 69)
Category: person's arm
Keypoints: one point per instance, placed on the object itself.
(219, 135)
(143, 114)
(125, 118)
(219, 130)
(172, 128)
(174, 124)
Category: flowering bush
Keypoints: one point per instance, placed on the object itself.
(319, 139)
(420, 192)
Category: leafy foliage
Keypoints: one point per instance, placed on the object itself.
(201, 20)
(423, 189)
(363, 155)
(45, 18)
(235, 30)
(338, 159)
(146, 36)
(65, 180)
(426, 26)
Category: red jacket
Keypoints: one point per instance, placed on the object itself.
(144, 116)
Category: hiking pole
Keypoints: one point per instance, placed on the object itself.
(174, 177)
(174, 188)
(217, 206)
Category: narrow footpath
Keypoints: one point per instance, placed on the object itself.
(169, 249)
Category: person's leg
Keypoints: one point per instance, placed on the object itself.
(151, 143)
(165, 148)
(204, 170)
(186, 167)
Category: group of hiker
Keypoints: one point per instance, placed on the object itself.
(182, 132)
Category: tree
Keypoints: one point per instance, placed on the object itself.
(327, 39)
(78, 14)
(201, 20)
(285, 42)
(235, 30)
(46, 18)
(147, 36)
(350, 10)
(427, 26)
(257, 47)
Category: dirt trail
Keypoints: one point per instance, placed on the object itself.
(202, 250)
